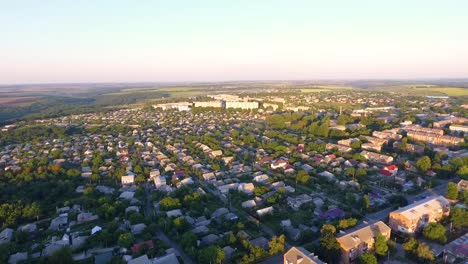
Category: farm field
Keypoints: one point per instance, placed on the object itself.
(18, 101)
(324, 88)
(450, 91)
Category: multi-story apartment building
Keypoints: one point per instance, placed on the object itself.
(218, 104)
(412, 218)
(459, 128)
(241, 105)
(417, 128)
(299, 255)
(435, 139)
(375, 140)
(354, 243)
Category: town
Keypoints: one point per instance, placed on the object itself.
(346, 176)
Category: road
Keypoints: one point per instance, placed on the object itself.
(160, 234)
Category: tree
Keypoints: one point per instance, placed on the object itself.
(328, 243)
(381, 247)
(125, 240)
(459, 217)
(463, 172)
(410, 245)
(347, 223)
(61, 256)
(169, 203)
(211, 254)
(277, 245)
(303, 177)
(452, 191)
(424, 252)
(435, 231)
(365, 202)
(424, 163)
(367, 258)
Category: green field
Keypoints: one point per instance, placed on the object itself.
(426, 90)
(324, 88)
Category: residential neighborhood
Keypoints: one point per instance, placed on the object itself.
(235, 178)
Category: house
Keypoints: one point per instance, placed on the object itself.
(299, 255)
(328, 175)
(6, 235)
(265, 211)
(247, 188)
(209, 176)
(140, 260)
(86, 217)
(457, 249)
(280, 163)
(159, 181)
(59, 222)
(462, 185)
(307, 167)
(260, 242)
(29, 228)
(127, 195)
(414, 217)
(332, 214)
(265, 160)
(174, 213)
(354, 243)
(209, 239)
(296, 202)
(137, 228)
(96, 229)
(261, 178)
(170, 258)
(128, 180)
(389, 171)
(249, 204)
(137, 247)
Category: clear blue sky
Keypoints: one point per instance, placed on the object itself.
(175, 40)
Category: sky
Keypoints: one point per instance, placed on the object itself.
(59, 41)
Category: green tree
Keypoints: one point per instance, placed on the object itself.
(169, 203)
(125, 240)
(435, 231)
(367, 258)
(211, 254)
(411, 245)
(329, 245)
(424, 163)
(303, 177)
(381, 247)
(277, 245)
(463, 172)
(365, 202)
(61, 256)
(459, 217)
(452, 191)
(424, 252)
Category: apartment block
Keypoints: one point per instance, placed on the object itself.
(354, 243)
(299, 255)
(435, 139)
(412, 218)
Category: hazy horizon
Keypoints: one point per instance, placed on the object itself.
(50, 42)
